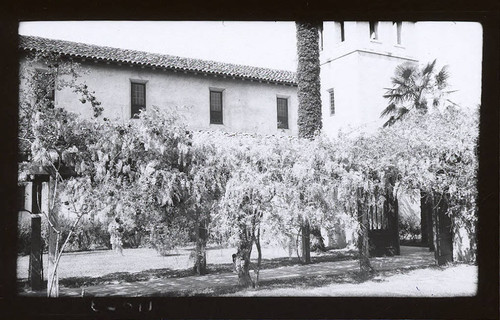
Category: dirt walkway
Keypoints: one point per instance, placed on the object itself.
(410, 257)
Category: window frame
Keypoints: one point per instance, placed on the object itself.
(212, 113)
(135, 109)
(281, 124)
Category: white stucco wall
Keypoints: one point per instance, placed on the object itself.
(344, 79)
(248, 106)
(359, 70)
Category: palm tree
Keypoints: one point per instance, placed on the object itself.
(415, 89)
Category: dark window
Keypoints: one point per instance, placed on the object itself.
(282, 104)
(374, 30)
(45, 87)
(216, 107)
(399, 26)
(332, 101)
(138, 99)
(342, 31)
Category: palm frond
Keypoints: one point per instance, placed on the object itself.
(429, 68)
(402, 111)
(390, 109)
(453, 103)
(401, 83)
(393, 95)
(405, 71)
(442, 78)
(389, 122)
(421, 104)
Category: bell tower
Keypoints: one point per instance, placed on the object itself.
(358, 59)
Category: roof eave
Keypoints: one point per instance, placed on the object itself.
(124, 61)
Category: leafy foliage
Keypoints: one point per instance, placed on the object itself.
(409, 228)
(308, 81)
(415, 89)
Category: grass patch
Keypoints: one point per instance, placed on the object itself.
(164, 273)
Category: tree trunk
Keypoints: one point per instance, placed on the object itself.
(306, 242)
(308, 81)
(423, 219)
(259, 257)
(363, 242)
(200, 266)
(53, 280)
(243, 259)
(319, 243)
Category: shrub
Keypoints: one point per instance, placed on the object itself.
(409, 228)
(88, 235)
(135, 237)
(163, 238)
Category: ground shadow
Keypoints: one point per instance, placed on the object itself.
(146, 275)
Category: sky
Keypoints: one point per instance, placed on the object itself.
(267, 44)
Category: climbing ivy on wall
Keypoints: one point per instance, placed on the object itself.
(308, 69)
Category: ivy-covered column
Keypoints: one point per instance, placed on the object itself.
(309, 95)
(308, 80)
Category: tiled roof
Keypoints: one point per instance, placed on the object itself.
(102, 53)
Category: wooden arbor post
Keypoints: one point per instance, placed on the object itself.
(443, 234)
(36, 249)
